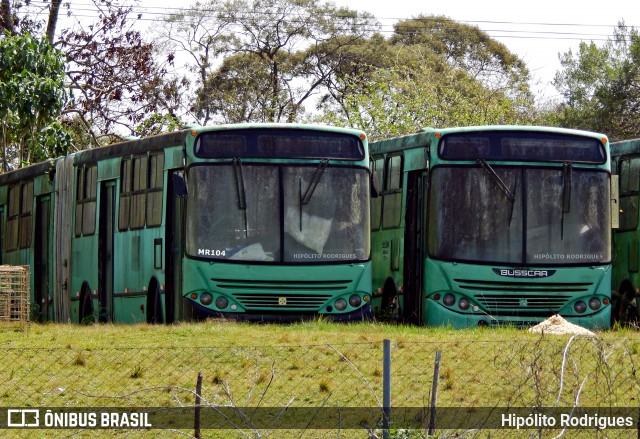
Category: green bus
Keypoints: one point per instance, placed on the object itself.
(625, 157)
(492, 225)
(245, 221)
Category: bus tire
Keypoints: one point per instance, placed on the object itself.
(625, 309)
(86, 306)
(154, 305)
(390, 306)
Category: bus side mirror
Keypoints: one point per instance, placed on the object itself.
(615, 205)
(373, 184)
(179, 184)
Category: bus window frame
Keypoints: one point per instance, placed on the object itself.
(86, 199)
(389, 193)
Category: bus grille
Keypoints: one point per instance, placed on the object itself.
(531, 286)
(284, 295)
(497, 302)
(527, 298)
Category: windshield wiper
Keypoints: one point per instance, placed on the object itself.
(503, 187)
(315, 179)
(567, 176)
(322, 166)
(240, 192)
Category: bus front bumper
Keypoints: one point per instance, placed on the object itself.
(361, 314)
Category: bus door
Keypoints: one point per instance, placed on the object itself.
(176, 199)
(414, 247)
(41, 257)
(105, 250)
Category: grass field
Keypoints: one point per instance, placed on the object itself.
(238, 334)
(313, 364)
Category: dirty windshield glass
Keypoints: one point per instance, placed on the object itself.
(328, 221)
(271, 214)
(555, 217)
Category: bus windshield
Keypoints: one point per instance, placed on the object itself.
(278, 213)
(520, 216)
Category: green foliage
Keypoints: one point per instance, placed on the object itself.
(599, 85)
(402, 100)
(431, 72)
(52, 141)
(267, 60)
(31, 98)
(274, 55)
(469, 49)
(116, 79)
(158, 123)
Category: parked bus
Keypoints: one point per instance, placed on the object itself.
(625, 157)
(247, 221)
(493, 225)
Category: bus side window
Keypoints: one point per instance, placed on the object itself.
(25, 214)
(138, 193)
(392, 193)
(629, 185)
(154, 194)
(86, 190)
(377, 168)
(13, 218)
(141, 189)
(125, 194)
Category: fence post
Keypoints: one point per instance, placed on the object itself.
(196, 421)
(434, 395)
(386, 387)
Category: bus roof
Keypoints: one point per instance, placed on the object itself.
(426, 136)
(243, 126)
(154, 143)
(178, 138)
(131, 147)
(624, 147)
(27, 172)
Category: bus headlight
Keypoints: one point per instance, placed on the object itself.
(595, 304)
(221, 302)
(448, 299)
(206, 298)
(340, 304)
(463, 304)
(580, 307)
(355, 301)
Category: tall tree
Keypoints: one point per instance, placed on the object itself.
(53, 20)
(470, 49)
(201, 34)
(401, 100)
(31, 98)
(271, 39)
(114, 78)
(425, 76)
(6, 19)
(344, 65)
(600, 86)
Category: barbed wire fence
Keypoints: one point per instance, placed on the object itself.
(386, 389)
